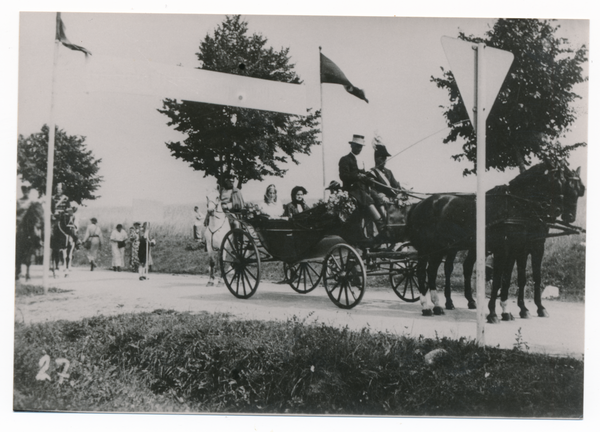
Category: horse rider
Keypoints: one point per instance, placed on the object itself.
(61, 205)
(24, 202)
(385, 188)
(356, 182)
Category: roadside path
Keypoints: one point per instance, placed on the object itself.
(105, 292)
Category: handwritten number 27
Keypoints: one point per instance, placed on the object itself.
(44, 364)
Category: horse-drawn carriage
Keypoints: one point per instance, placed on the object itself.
(317, 246)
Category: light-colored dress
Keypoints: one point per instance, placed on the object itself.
(273, 209)
(94, 234)
(118, 253)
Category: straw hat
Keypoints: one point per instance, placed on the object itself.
(357, 139)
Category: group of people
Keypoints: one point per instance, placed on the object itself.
(136, 241)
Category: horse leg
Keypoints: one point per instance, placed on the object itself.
(505, 285)
(499, 259)
(537, 254)
(521, 280)
(211, 269)
(468, 266)
(448, 268)
(432, 269)
(422, 262)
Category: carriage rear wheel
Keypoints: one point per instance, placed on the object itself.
(240, 263)
(403, 278)
(344, 276)
(303, 277)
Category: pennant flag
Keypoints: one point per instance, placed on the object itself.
(61, 37)
(331, 73)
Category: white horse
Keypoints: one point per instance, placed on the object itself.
(218, 227)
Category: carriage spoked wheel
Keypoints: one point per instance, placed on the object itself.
(303, 277)
(240, 263)
(344, 276)
(403, 278)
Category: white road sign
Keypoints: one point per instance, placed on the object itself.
(462, 58)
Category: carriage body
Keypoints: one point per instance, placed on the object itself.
(316, 246)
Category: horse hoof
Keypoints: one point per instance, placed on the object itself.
(507, 316)
(492, 319)
(543, 313)
(438, 310)
(472, 305)
(427, 312)
(524, 314)
(450, 305)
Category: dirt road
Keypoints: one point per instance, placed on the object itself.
(105, 292)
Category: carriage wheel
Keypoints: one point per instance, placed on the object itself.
(303, 277)
(240, 263)
(403, 278)
(344, 276)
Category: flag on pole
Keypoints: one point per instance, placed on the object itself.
(61, 37)
(331, 73)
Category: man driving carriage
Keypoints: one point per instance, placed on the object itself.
(357, 183)
(63, 208)
(384, 187)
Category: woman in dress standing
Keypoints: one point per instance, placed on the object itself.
(144, 252)
(134, 239)
(118, 240)
(93, 234)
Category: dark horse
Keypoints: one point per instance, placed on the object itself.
(441, 225)
(62, 243)
(30, 234)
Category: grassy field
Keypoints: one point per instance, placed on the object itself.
(177, 252)
(178, 362)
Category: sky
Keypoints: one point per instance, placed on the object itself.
(391, 58)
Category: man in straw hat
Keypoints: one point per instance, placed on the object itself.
(356, 182)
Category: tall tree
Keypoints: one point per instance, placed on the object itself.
(74, 165)
(533, 110)
(224, 139)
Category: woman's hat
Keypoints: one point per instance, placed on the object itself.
(296, 190)
(333, 185)
(357, 139)
(380, 150)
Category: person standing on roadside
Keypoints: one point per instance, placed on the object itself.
(134, 240)
(118, 239)
(144, 252)
(93, 241)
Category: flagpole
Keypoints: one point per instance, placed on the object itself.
(49, 177)
(322, 127)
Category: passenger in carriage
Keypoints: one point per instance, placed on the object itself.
(384, 187)
(297, 205)
(270, 207)
(357, 183)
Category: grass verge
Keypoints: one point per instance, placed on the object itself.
(177, 362)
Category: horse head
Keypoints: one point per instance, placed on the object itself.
(543, 186)
(573, 189)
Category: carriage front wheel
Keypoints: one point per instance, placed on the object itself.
(240, 263)
(403, 278)
(344, 276)
(303, 277)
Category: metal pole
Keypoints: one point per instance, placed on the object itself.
(481, 167)
(49, 177)
(322, 127)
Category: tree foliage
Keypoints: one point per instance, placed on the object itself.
(223, 139)
(533, 109)
(74, 165)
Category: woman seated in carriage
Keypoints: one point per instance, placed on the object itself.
(270, 207)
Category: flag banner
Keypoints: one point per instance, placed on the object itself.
(119, 75)
(62, 38)
(332, 74)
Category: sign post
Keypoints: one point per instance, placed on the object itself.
(479, 72)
